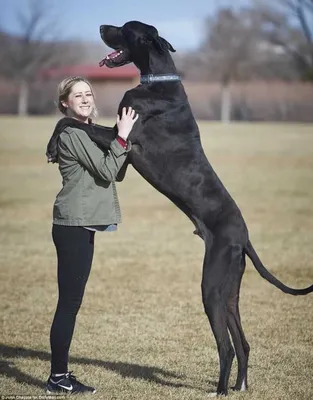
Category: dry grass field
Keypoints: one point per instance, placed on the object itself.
(141, 332)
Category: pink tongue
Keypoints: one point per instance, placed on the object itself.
(113, 54)
(101, 63)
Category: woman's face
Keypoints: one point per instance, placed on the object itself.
(80, 102)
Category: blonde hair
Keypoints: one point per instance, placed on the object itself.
(65, 88)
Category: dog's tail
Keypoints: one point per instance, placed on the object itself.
(271, 278)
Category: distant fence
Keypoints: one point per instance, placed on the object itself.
(251, 101)
(254, 101)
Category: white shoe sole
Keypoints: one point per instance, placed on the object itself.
(64, 393)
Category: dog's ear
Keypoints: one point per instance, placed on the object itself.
(160, 44)
(168, 44)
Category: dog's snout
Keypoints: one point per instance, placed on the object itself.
(105, 31)
(104, 28)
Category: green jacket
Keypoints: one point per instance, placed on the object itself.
(88, 196)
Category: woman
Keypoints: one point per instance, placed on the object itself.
(87, 203)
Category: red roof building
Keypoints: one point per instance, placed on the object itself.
(94, 72)
(109, 84)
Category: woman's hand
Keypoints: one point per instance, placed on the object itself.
(125, 124)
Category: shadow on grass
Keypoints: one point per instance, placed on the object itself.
(126, 370)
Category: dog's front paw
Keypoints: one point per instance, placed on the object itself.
(136, 148)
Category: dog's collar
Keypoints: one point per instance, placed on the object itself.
(159, 78)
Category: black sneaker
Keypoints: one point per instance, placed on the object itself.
(67, 383)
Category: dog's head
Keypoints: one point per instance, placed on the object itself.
(132, 42)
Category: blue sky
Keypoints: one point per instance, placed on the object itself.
(179, 21)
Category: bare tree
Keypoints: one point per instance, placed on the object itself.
(231, 50)
(33, 49)
(289, 24)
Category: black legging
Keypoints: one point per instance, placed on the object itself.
(74, 247)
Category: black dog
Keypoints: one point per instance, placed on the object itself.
(167, 152)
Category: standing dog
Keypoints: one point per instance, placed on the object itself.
(167, 152)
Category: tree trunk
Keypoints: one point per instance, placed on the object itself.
(226, 103)
(22, 107)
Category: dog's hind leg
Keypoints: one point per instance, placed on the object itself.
(216, 286)
(241, 345)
